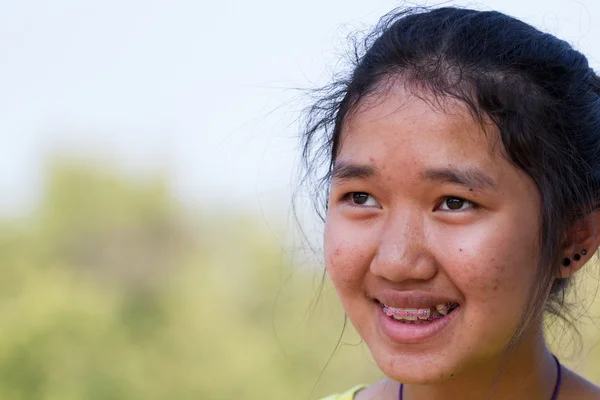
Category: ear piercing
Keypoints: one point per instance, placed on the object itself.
(566, 261)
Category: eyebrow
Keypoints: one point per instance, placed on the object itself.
(469, 177)
(344, 171)
(472, 178)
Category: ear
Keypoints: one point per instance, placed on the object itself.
(580, 244)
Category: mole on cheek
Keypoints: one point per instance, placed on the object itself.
(496, 284)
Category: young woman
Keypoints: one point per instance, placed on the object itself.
(462, 160)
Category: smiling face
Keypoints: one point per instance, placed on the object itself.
(426, 210)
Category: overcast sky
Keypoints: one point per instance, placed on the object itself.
(199, 89)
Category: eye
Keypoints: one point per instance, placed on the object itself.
(456, 204)
(361, 199)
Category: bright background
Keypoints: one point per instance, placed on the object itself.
(148, 162)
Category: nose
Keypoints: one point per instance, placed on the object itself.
(402, 253)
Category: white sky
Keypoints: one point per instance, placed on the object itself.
(199, 89)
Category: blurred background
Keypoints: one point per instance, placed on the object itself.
(147, 245)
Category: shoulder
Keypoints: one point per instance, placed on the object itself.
(577, 387)
(348, 395)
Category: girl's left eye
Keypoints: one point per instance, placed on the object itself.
(456, 204)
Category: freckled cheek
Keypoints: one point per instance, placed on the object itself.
(485, 266)
(346, 253)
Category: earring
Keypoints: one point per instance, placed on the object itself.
(566, 262)
(576, 257)
(584, 252)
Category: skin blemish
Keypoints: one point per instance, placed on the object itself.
(496, 284)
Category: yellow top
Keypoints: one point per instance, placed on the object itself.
(349, 395)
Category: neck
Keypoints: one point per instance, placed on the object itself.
(526, 372)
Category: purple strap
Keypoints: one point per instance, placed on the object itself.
(558, 379)
(556, 385)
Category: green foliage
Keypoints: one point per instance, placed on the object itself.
(111, 291)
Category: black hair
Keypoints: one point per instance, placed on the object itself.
(538, 91)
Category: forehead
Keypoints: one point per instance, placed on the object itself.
(403, 127)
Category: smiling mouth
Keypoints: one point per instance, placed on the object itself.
(420, 315)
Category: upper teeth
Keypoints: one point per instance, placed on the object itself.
(412, 314)
(442, 308)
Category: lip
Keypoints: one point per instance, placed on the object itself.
(403, 333)
(412, 299)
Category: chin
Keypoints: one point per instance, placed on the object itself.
(415, 353)
(420, 369)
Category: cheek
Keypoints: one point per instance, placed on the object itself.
(346, 254)
(492, 263)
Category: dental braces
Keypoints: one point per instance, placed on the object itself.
(423, 313)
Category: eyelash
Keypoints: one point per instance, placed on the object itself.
(348, 197)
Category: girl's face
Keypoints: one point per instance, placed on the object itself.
(425, 210)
